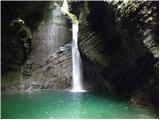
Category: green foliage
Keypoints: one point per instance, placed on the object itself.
(65, 10)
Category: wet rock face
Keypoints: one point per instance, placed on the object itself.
(50, 59)
(23, 23)
(52, 33)
(138, 22)
(120, 41)
(48, 62)
(19, 20)
(55, 73)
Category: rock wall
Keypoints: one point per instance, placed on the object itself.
(120, 40)
(55, 73)
(52, 33)
(41, 70)
(19, 20)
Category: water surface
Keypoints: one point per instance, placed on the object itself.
(65, 104)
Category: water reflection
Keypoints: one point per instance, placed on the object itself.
(75, 105)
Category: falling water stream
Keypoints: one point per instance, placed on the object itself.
(76, 62)
(76, 59)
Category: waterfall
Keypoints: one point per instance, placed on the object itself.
(76, 59)
(76, 62)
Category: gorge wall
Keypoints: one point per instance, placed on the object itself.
(119, 46)
(47, 63)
